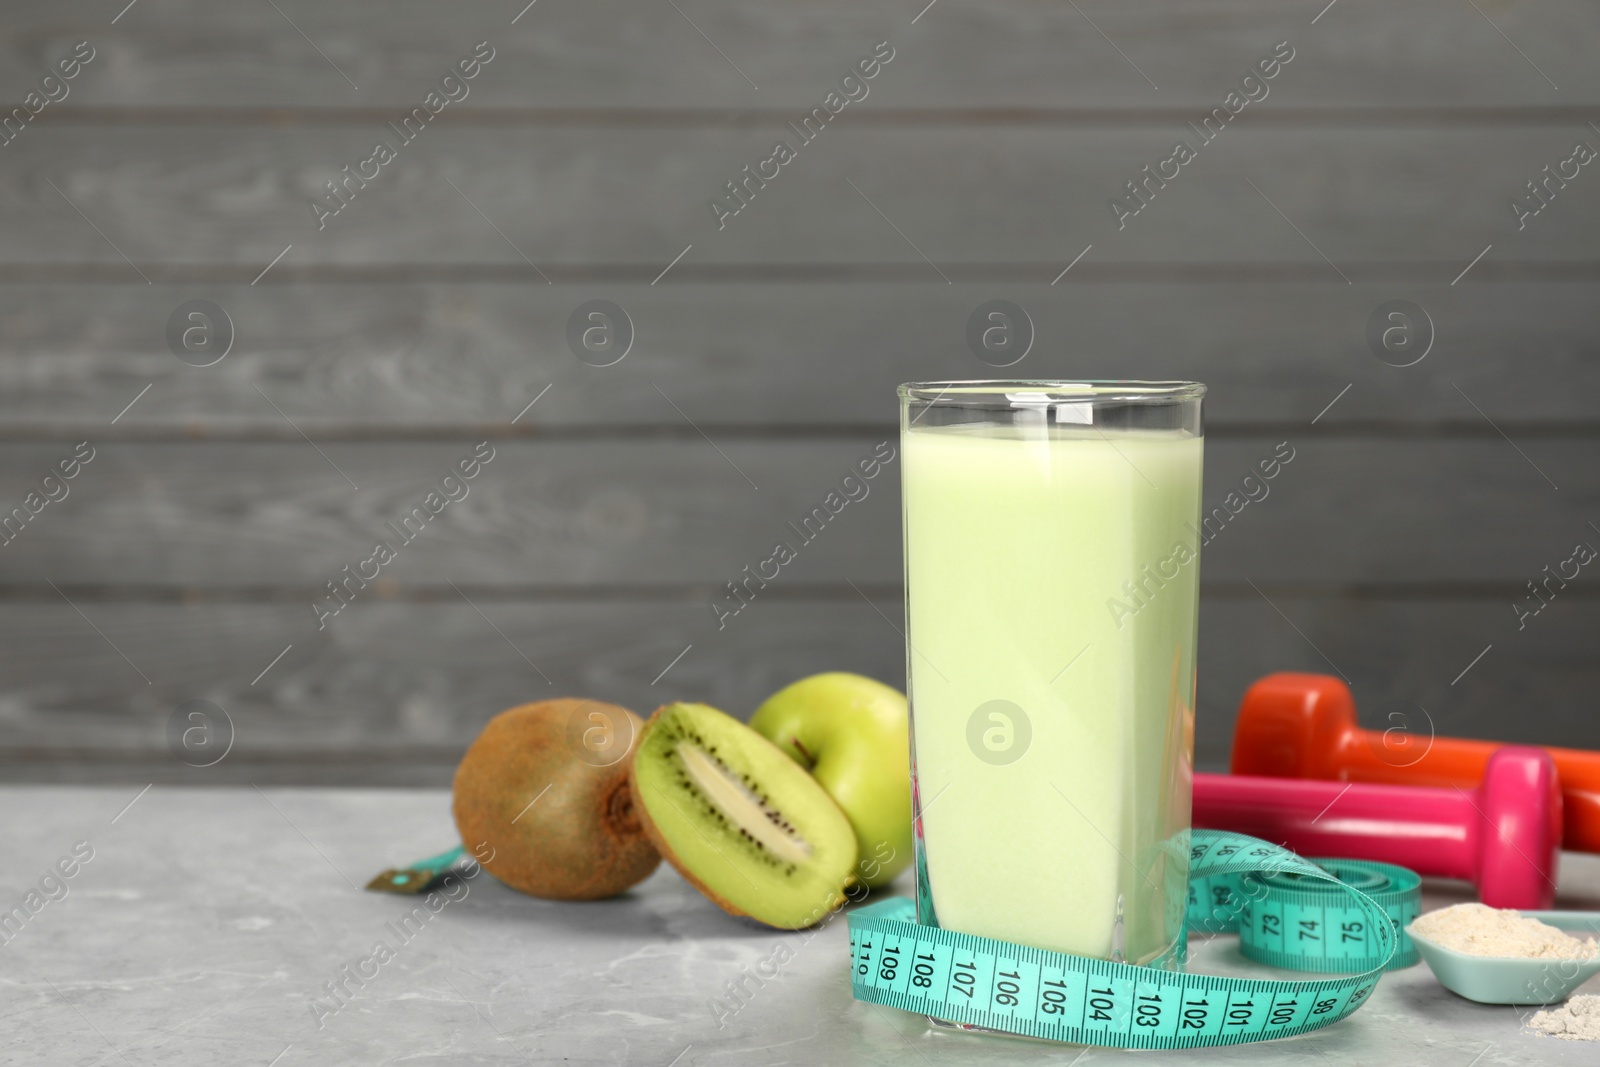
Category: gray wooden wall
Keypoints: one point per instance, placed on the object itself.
(425, 316)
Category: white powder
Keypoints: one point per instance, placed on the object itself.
(1576, 1020)
(1478, 930)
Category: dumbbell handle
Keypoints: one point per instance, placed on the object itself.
(1432, 831)
(1460, 762)
(1502, 836)
(1267, 730)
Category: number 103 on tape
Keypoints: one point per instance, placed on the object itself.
(987, 984)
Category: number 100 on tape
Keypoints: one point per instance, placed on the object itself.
(983, 983)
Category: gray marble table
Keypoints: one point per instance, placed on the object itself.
(208, 924)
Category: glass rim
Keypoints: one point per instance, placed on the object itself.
(1001, 392)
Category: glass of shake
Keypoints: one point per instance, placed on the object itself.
(1052, 568)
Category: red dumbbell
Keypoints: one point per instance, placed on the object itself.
(1503, 836)
(1294, 725)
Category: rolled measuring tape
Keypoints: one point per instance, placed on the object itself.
(1308, 924)
(1017, 989)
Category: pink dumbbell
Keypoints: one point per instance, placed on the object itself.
(1503, 836)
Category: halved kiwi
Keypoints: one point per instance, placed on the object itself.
(542, 799)
(740, 820)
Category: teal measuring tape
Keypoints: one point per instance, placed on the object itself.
(1300, 923)
(1016, 989)
(420, 876)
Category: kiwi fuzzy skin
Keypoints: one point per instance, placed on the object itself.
(583, 839)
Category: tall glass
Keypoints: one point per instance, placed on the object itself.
(1052, 571)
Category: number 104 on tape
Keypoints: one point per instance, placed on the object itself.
(1273, 895)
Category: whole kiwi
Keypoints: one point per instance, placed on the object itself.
(542, 798)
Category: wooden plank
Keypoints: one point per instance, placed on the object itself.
(673, 513)
(1410, 657)
(635, 200)
(449, 358)
(393, 694)
(616, 53)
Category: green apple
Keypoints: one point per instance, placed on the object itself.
(853, 734)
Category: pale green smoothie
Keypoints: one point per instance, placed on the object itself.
(1053, 570)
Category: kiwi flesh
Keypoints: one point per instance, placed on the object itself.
(739, 819)
(542, 799)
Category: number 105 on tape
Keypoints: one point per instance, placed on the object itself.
(983, 983)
